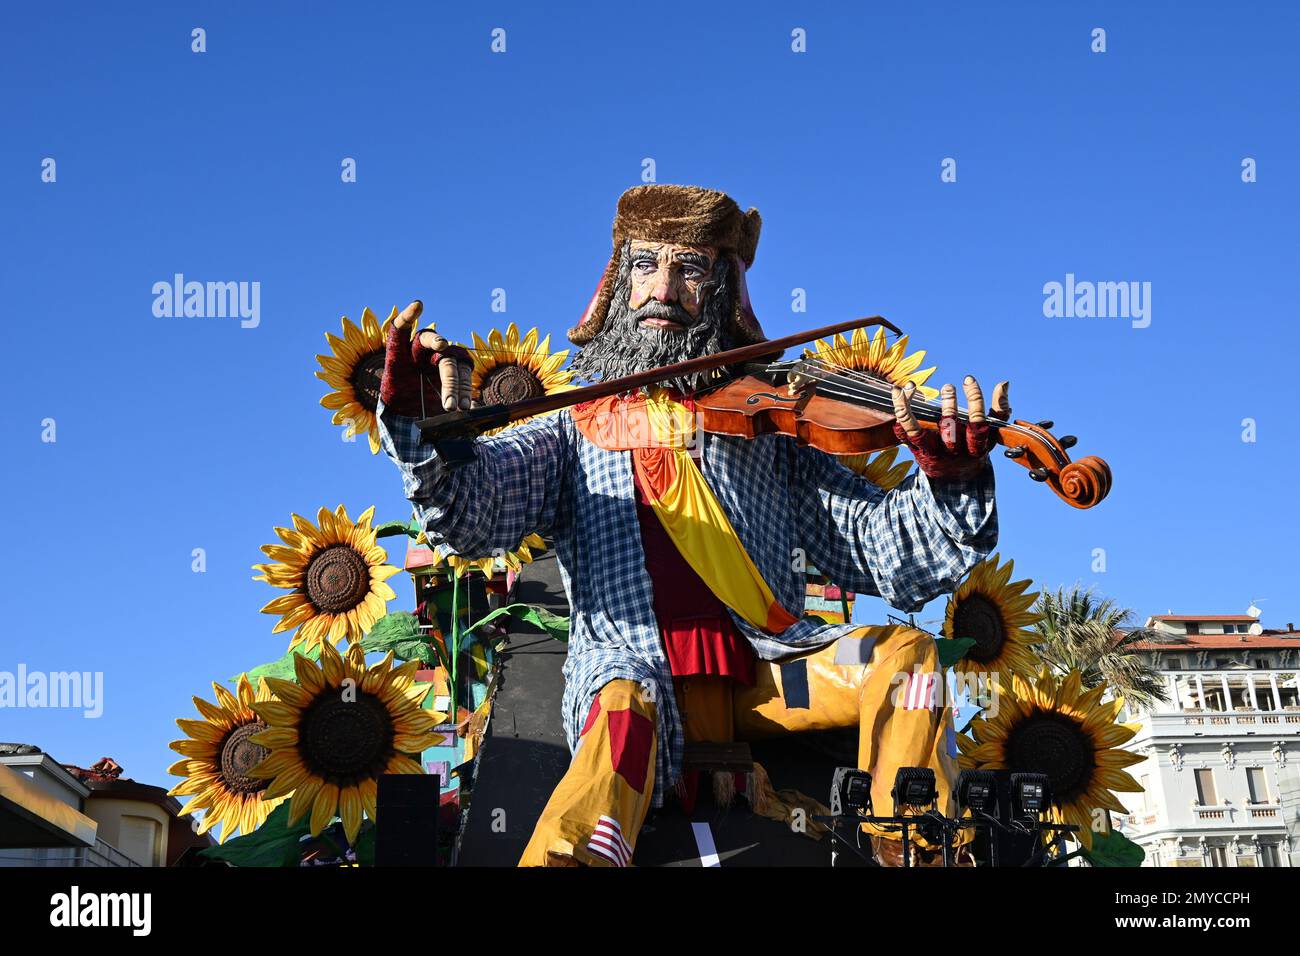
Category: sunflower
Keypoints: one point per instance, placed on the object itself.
(334, 732)
(508, 369)
(336, 574)
(1050, 726)
(879, 469)
(993, 611)
(863, 353)
(355, 371)
(218, 754)
(512, 560)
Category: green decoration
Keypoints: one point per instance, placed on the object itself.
(390, 528)
(274, 843)
(951, 650)
(282, 667)
(555, 625)
(1113, 849)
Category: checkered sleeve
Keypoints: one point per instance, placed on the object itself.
(908, 545)
(510, 490)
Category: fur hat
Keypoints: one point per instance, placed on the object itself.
(691, 216)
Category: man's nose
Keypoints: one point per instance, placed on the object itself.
(664, 290)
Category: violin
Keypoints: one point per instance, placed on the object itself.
(835, 409)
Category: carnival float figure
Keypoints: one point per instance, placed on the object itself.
(683, 553)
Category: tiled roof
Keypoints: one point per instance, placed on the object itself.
(1243, 618)
(1236, 642)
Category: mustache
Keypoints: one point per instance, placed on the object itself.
(671, 311)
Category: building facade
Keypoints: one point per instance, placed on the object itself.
(54, 814)
(1222, 768)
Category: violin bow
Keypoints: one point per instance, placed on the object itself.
(467, 423)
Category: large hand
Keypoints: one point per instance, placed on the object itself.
(959, 448)
(426, 362)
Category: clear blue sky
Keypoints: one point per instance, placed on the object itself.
(479, 170)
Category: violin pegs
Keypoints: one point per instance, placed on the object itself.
(1068, 441)
(1014, 453)
(1045, 423)
(1038, 474)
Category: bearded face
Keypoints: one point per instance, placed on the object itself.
(670, 303)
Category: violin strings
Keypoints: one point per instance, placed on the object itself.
(870, 391)
(877, 387)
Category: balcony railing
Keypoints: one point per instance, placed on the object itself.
(1233, 697)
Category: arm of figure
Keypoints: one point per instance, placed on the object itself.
(513, 486)
(908, 545)
(510, 490)
(913, 543)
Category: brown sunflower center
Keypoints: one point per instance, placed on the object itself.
(507, 384)
(337, 579)
(980, 620)
(346, 741)
(366, 379)
(1054, 744)
(239, 755)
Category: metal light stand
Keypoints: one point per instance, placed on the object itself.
(949, 827)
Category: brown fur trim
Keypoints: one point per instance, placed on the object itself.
(688, 215)
(586, 330)
(683, 214)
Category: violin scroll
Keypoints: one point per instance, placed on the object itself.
(1081, 483)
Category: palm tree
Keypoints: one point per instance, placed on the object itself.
(1079, 631)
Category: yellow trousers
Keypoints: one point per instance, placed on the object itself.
(883, 680)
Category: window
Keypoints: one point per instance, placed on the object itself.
(1261, 663)
(1257, 782)
(1193, 627)
(1206, 795)
(1268, 855)
(141, 839)
(1223, 662)
(1218, 856)
(1174, 664)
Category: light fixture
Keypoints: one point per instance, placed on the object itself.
(1030, 794)
(851, 791)
(977, 790)
(914, 787)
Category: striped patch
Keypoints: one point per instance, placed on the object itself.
(607, 842)
(918, 694)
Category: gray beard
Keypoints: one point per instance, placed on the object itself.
(624, 347)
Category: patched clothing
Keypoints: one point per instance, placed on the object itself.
(790, 506)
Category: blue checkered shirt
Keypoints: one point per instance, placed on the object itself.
(791, 507)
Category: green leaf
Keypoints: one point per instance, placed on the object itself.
(1113, 849)
(553, 624)
(400, 633)
(391, 629)
(283, 667)
(952, 650)
(274, 843)
(390, 528)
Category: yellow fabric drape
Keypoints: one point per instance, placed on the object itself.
(660, 432)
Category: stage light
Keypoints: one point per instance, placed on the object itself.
(977, 790)
(914, 787)
(1030, 794)
(851, 791)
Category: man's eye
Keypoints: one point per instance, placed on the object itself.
(692, 272)
(644, 265)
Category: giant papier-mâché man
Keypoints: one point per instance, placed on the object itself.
(683, 555)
